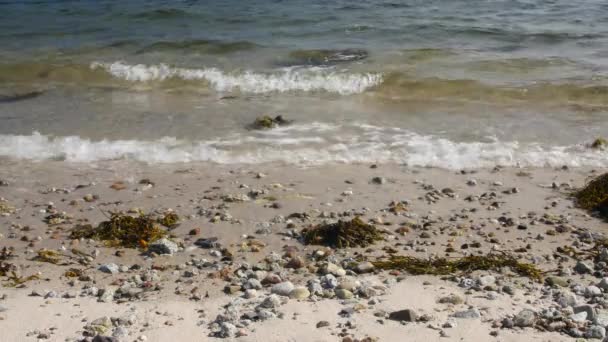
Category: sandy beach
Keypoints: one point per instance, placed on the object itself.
(240, 269)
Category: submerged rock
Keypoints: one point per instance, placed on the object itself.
(268, 122)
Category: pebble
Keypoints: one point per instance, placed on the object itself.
(406, 315)
(525, 318)
(109, 268)
(163, 246)
(299, 293)
(282, 289)
(468, 314)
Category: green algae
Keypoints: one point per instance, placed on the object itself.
(467, 264)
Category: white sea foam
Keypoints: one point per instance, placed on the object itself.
(285, 80)
(377, 146)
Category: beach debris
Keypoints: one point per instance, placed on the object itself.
(48, 255)
(14, 280)
(594, 196)
(467, 264)
(122, 230)
(169, 220)
(120, 185)
(58, 218)
(342, 234)
(268, 122)
(599, 144)
(5, 208)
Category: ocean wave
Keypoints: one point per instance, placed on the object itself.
(376, 145)
(285, 80)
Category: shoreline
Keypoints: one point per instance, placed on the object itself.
(524, 212)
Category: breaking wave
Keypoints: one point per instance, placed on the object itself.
(286, 80)
(307, 145)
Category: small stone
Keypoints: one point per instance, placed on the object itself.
(343, 294)
(109, 268)
(525, 318)
(556, 281)
(451, 299)
(379, 180)
(271, 302)
(322, 324)
(596, 331)
(582, 268)
(299, 293)
(468, 314)
(163, 246)
(100, 338)
(282, 289)
(585, 308)
(364, 267)
(406, 315)
(227, 330)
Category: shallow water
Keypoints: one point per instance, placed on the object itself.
(433, 83)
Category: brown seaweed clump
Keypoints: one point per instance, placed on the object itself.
(169, 220)
(594, 196)
(599, 144)
(342, 234)
(467, 264)
(268, 122)
(122, 230)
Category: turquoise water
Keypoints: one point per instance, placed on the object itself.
(435, 83)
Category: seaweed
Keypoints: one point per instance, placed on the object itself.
(14, 280)
(6, 208)
(594, 196)
(267, 122)
(599, 144)
(342, 234)
(467, 264)
(169, 220)
(50, 256)
(122, 231)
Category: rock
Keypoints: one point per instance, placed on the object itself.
(227, 330)
(601, 318)
(100, 338)
(3, 308)
(596, 331)
(486, 280)
(451, 299)
(322, 324)
(282, 289)
(525, 318)
(379, 180)
(108, 295)
(579, 317)
(556, 281)
(603, 284)
(208, 243)
(592, 291)
(364, 267)
(109, 268)
(585, 308)
(299, 293)
(566, 299)
(343, 294)
(163, 246)
(334, 270)
(406, 315)
(271, 302)
(469, 314)
(583, 268)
